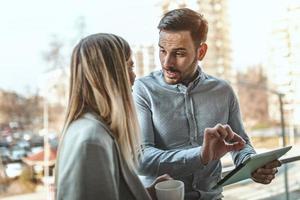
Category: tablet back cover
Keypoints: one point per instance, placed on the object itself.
(251, 164)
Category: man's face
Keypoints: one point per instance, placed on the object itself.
(178, 56)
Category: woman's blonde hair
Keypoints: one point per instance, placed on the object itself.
(100, 84)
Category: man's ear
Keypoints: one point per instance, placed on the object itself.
(201, 51)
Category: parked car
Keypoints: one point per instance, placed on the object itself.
(4, 153)
(37, 141)
(23, 144)
(17, 153)
(13, 170)
(4, 142)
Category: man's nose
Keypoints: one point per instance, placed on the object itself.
(168, 61)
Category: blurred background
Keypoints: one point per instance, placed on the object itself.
(253, 44)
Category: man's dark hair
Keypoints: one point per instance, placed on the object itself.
(185, 19)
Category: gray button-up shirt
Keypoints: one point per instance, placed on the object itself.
(172, 120)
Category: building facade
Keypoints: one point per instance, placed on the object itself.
(283, 64)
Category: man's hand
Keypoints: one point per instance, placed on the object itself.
(218, 141)
(266, 174)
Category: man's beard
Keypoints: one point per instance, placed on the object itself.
(181, 79)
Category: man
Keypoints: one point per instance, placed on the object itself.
(189, 119)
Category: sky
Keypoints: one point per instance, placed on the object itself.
(28, 27)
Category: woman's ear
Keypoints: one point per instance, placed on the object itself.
(201, 51)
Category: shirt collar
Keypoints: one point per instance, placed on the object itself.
(201, 76)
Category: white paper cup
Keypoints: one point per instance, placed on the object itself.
(170, 190)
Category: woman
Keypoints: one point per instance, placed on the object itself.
(98, 150)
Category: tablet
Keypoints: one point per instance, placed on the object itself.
(244, 170)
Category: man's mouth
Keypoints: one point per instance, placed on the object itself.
(171, 73)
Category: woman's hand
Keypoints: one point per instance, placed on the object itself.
(151, 188)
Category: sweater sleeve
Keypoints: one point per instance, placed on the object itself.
(91, 174)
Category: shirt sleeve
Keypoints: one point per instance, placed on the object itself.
(92, 176)
(155, 161)
(235, 122)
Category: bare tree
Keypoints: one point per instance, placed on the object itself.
(54, 57)
(24, 110)
(57, 86)
(253, 100)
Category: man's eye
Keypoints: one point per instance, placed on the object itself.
(180, 54)
(162, 51)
